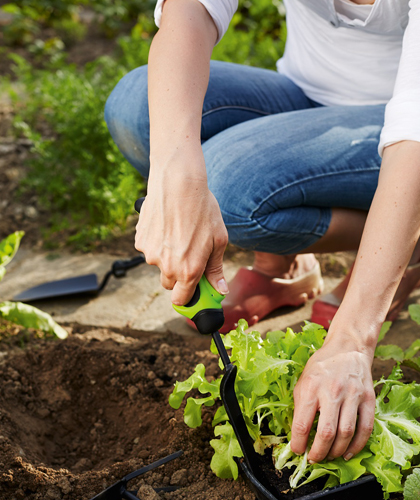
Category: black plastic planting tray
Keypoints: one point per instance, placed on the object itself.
(364, 487)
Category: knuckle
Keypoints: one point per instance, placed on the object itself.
(301, 387)
(336, 390)
(300, 428)
(327, 432)
(311, 383)
(347, 431)
(166, 284)
(221, 240)
(150, 259)
(167, 269)
(168, 273)
(354, 391)
(192, 273)
(317, 456)
(370, 397)
(366, 429)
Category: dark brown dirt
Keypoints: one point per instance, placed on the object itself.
(77, 415)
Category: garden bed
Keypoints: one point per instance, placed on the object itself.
(77, 415)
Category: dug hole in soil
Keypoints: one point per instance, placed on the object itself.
(77, 415)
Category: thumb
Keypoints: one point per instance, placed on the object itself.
(214, 271)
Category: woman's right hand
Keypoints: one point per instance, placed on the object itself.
(180, 228)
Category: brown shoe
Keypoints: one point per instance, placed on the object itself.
(254, 295)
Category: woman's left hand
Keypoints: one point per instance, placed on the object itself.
(337, 383)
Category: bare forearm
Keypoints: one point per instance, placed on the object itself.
(390, 236)
(180, 227)
(178, 78)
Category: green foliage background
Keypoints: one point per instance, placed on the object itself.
(76, 169)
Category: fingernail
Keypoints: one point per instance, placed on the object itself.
(312, 462)
(329, 458)
(222, 286)
(348, 456)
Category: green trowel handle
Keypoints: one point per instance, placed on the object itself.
(205, 308)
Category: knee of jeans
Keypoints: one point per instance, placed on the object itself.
(127, 117)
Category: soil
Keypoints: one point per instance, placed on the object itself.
(78, 415)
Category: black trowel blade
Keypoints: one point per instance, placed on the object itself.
(80, 285)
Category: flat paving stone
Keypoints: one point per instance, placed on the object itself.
(138, 300)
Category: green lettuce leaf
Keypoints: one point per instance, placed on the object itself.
(412, 486)
(391, 445)
(223, 463)
(401, 410)
(8, 248)
(412, 363)
(386, 472)
(384, 330)
(412, 350)
(244, 345)
(192, 412)
(196, 381)
(264, 368)
(389, 352)
(414, 311)
(345, 471)
(31, 317)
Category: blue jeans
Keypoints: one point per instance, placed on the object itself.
(277, 162)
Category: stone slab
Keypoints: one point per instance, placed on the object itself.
(138, 301)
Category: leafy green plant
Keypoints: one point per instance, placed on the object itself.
(268, 370)
(23, 27)
(16, 312)
(77, 170)
(408, 357)
(412, 486)
(29, 17)
(256, 36)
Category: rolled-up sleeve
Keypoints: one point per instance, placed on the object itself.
(221, 12)
(402, 114)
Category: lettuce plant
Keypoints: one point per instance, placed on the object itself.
(409, 357)
(268, 370)
(17, 312)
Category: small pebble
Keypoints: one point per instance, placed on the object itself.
(144, 454)
(132, 392)
(146, 492)
(53, 494)
(179, 478)
(43, 412)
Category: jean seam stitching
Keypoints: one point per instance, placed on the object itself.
(244, 108)
(279, 233)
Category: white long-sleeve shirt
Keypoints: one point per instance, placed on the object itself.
(338, 58)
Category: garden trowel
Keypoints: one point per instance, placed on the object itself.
(79, 285)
